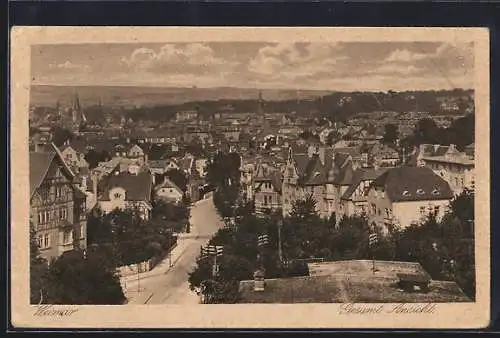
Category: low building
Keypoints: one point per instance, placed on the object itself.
(123, 190)
(168, 191)
(407, 195)
(57, 207)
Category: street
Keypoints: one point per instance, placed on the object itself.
(169, 285)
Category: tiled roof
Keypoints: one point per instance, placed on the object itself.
(413, 184)
(40, 163)
(359, 176)
(301, 161)
(138, 187)
(167, 183)
(269, 174)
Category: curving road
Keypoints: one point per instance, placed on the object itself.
(167, 284)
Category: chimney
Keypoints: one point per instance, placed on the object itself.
(259, 282)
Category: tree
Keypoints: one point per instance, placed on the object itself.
(93, 157)
(390, 133)
(38, 270)
(76, 279)
(304, 209)
(61, 135)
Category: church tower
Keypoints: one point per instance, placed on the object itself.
(76, 108)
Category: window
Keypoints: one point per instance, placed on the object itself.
(63, 213)
(40, 217)
(387, 213)
(436, 209)
(67, 237)
(420, 191)
(117, 195)
(406, 193)
(40, 241)
(46, 241)
(58, 191)
(461, 181)
(435, 192)
(422, 211)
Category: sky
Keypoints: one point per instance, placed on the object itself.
(342, 66)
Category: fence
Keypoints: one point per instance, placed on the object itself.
(147, 265)
(132, 269)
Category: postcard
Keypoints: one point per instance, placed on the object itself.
(250, 177)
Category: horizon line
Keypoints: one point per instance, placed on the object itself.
(246, 88)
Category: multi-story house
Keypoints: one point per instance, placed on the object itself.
(123, 190)
(455, 167)
(74, 155)
(407, 195)
(57, 207)
(325, 175)
(267, 183)
(354, 201)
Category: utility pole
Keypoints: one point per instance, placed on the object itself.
(138, 279)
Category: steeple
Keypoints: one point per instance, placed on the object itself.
(76, 102)
(76, 109)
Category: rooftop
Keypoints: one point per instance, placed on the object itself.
(413, 184)
(351, 282)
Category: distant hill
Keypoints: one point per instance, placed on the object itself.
(126, 96)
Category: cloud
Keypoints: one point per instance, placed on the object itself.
(69, 65)
(290, 60)
(404, 55)
(189, 58)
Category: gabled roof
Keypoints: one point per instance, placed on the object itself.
(78, 145)
(269, 174)
(413, 184)
(167, 183)
(359, 176)
(138, 187)
(40, 163)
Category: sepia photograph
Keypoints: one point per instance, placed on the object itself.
(230, 168)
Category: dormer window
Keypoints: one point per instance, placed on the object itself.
(406, 193)
(420, 191)
(435, 192)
